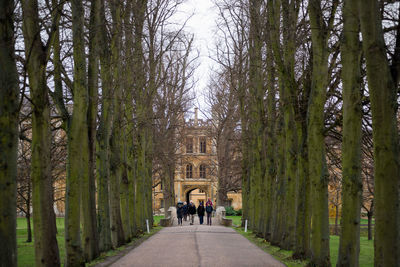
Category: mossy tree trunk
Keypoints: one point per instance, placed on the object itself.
(46, 247)
(78, 143)
(278, 217)
(349, 248)
(383, 95)
(320, 32)
(257, 117)
(8, 136)
(271, 147)
(168, 187)
(103, 138)
(143, 115)
(90, 235)
(128, 177)
(284, 58)
(117, 231)
(242, 95)
(303, 219)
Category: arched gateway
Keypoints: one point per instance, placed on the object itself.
(197, 194)
(196, 167)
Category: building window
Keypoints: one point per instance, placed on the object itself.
(189, 145)
(202, 171)
(201, 191)
(189, 171)
(203, 146)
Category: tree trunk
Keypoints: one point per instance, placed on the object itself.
(78, 143)
(288, 90)
(90, 235)
(349, 248)
(316, 140)
(337, 219)
(168, 188)
(143, 135)
(271, 146)
(128, 188)
(8, 135)
(28, 215)
(369, 214)
(383, 91)
(116, 167)
(256, 115)
(29, 228)
(103, 139)
(303, 221)
(46, 247)
(278, 218)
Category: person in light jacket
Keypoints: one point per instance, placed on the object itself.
(192, 212)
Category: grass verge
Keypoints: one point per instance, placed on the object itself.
(366, 258)
(284, 256)
(111, 256)
(26, 251)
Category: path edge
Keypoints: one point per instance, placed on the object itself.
(107, 261)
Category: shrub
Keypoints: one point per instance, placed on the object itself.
(239, 212)
(229, 211)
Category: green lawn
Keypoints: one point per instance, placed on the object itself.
(366, 251)
(26, 251)
(366, 248)
(362, 221)
(279, 254)
(157, 219)
(236, 220)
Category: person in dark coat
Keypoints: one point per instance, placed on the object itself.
(192, 212)
(209, 210)
(200, 212)
(179, 212)
(185, 210)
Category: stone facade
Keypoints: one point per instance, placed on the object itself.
(196, 169)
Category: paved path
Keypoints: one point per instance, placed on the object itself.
(197, 245)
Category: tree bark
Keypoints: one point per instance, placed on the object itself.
(90, 233)
(117, 231)
(143, 115)
(256, 116)
(46, 247)
(103, 139)
(288, 90)
(369, 214)
(349, 247)
(320, 32)
(383, 90)
(78, 143)
(8, 136)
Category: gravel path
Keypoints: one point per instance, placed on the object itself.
(197, 245)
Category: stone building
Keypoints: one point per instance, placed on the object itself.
(196, 169)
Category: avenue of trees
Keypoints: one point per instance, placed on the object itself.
(316, 86)
(88, 89)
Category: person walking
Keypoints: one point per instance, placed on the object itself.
(185, 210)
(209, 210)
(192, 212)
(200, 212)
(179, 212)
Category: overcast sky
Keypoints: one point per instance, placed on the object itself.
(202, 25)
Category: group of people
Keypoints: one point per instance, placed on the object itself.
(184, 209)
